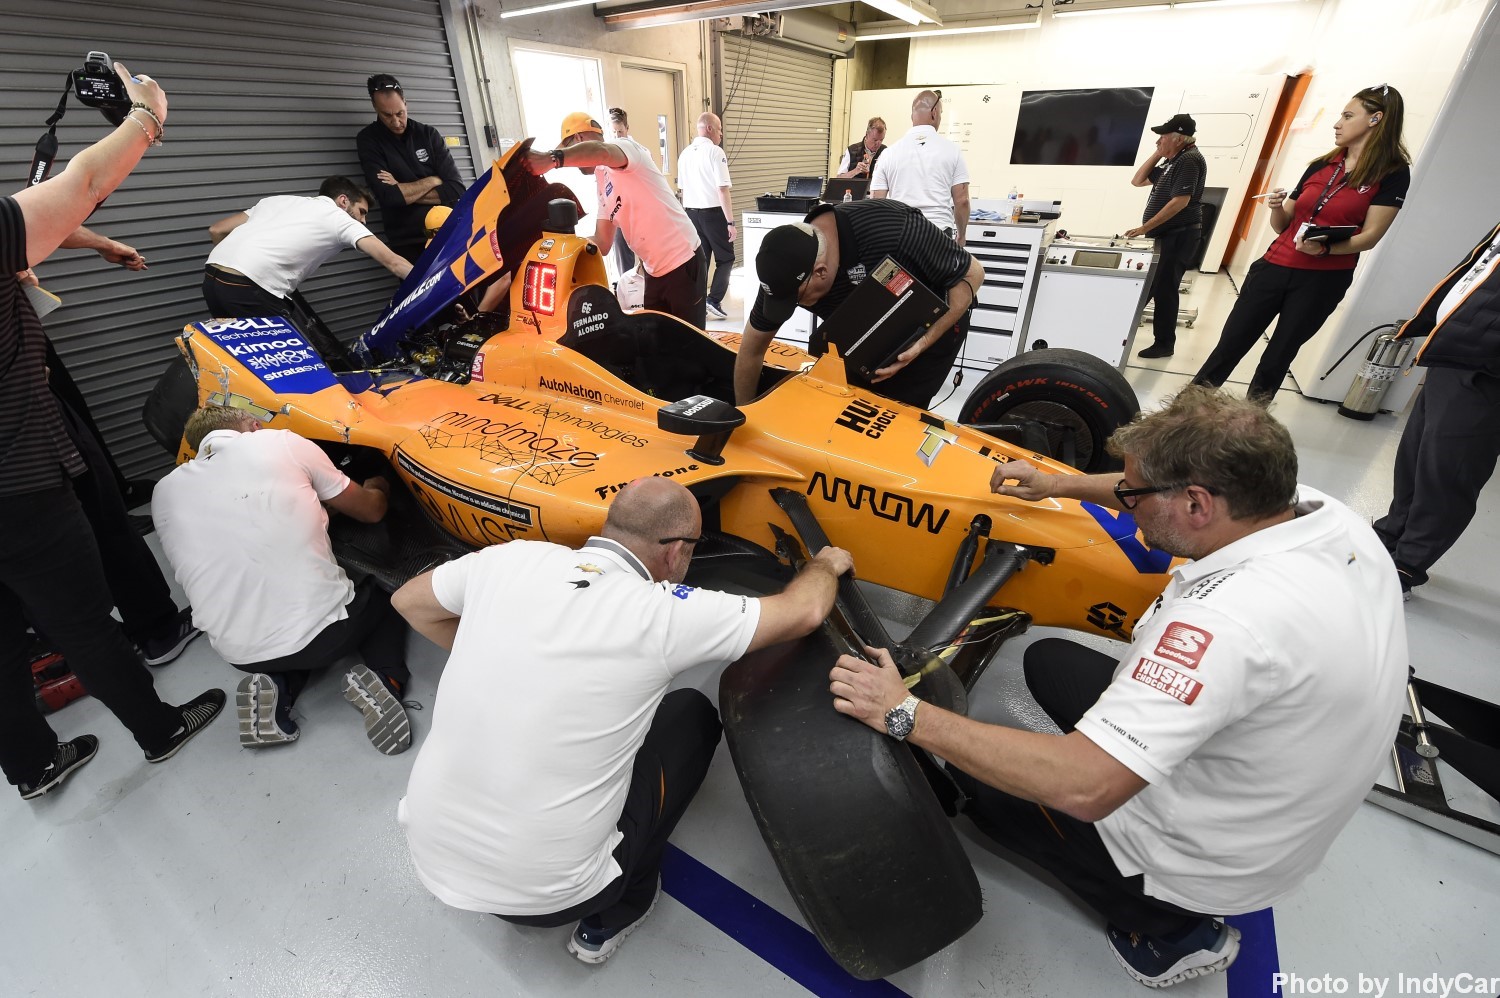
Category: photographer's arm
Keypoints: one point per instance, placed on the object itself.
(54, 209)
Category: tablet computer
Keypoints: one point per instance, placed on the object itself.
(885, 314)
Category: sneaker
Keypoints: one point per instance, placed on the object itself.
(163, 649)
(594, 945)
(386, 723)
(715, 310)
(196, 714)
(1155, 351)
(265, 716)
(1156, 963)
(1407, 582)
(69, 756)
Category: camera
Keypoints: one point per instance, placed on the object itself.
(98, 85)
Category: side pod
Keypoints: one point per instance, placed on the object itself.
(852, 823)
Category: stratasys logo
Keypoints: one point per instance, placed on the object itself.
(568, 388)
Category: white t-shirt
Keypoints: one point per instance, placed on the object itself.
(637, 199)
(921, 170)
(245, 530)
(286, 239)
(701, 170)
(560, 661)
(1259, 700)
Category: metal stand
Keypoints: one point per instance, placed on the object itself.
(1471, 746)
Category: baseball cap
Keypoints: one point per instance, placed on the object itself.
(785, 260)
(1182, 124)
(382, 81)
(579, 121)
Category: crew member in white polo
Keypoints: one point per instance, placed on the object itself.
(703, 175)
(926, 171)
(634, 196)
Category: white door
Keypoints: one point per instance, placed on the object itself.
(649, 98)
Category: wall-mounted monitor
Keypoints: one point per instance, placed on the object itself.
(1081, 127)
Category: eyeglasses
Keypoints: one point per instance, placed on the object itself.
(1130, 498)
(674, 540)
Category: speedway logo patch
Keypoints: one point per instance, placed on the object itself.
(1164, 679)
(1184, 645)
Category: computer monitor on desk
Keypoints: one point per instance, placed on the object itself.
(857, 190)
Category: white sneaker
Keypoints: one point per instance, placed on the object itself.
(386, 723)
(715, 310)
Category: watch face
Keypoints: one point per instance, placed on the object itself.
(898, 723)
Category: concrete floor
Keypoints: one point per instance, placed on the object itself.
(282, 872)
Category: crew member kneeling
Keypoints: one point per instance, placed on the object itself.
(1209, 770)
(558, 806)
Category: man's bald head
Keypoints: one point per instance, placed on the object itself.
(709, 125)
(926, 108)
(646, 512)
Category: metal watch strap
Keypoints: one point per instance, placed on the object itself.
(902, 718)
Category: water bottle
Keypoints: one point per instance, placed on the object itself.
(1015, 204)
(848, 195)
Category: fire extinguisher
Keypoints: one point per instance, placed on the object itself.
(1386, 357)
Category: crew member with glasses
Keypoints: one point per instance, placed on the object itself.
(1206, 770)
(558, 764)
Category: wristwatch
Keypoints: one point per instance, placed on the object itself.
(900, 719)
(557, 157)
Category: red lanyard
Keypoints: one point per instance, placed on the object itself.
(1328, 195)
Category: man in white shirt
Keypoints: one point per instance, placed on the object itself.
(703, 176)
(926, 171)
(1208, 771)
(244, 528)
(619, 124)
(634, 196)
(261, 255)
(558, 764)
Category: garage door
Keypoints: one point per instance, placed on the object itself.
(776, 102)
(265, 99)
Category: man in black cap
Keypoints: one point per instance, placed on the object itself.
(1175, 171)
(407, 167)
(816, 263)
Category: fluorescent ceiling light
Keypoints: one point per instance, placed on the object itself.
(910, 11)
(966, 27)
(543, 8)
(1090, 11)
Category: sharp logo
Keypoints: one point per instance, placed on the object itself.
(1177, 685)
(891, 506)
(568, 388)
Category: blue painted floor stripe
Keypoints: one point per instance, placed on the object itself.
(762, 929)
(1250, 974)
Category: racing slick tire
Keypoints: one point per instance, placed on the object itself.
(170, 403)
(1076, 397)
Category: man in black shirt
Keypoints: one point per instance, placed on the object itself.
(407, 167)
(1173, 217)
(817, 263)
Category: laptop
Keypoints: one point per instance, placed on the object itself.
(858, 190)
(886, 313)
(804, 187)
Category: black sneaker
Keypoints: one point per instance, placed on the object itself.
(1156, 963)
(196, 714)
(386, 723)
(69, 756)
(1155, 352)
(164, 648)
(595, 945)
(715, 309)
(264, 714)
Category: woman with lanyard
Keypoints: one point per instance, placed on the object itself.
(1362, 182)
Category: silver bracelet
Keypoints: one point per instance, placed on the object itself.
(161, 128)
(151, 140)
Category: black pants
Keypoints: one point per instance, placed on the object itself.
(680, 291)
(1303, 300)
(1066, 679)
(1447, 454)
(713, 232)
(50, 575)
(669, 769)
(136, 584)
(372, 628)
(234, 296)
(1175, 250)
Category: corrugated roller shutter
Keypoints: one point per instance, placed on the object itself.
(776, 104)
(265, 98)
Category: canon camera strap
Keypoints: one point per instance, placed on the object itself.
(46, 146)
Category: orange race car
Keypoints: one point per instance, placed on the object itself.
(524, 425)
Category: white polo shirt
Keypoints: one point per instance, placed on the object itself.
(560, 661)
(702, 169)
(637, 199)
(921, 170)
(286, 239)
(245, 530)
(1259, 700)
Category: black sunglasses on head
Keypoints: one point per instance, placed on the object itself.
(674, 540)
